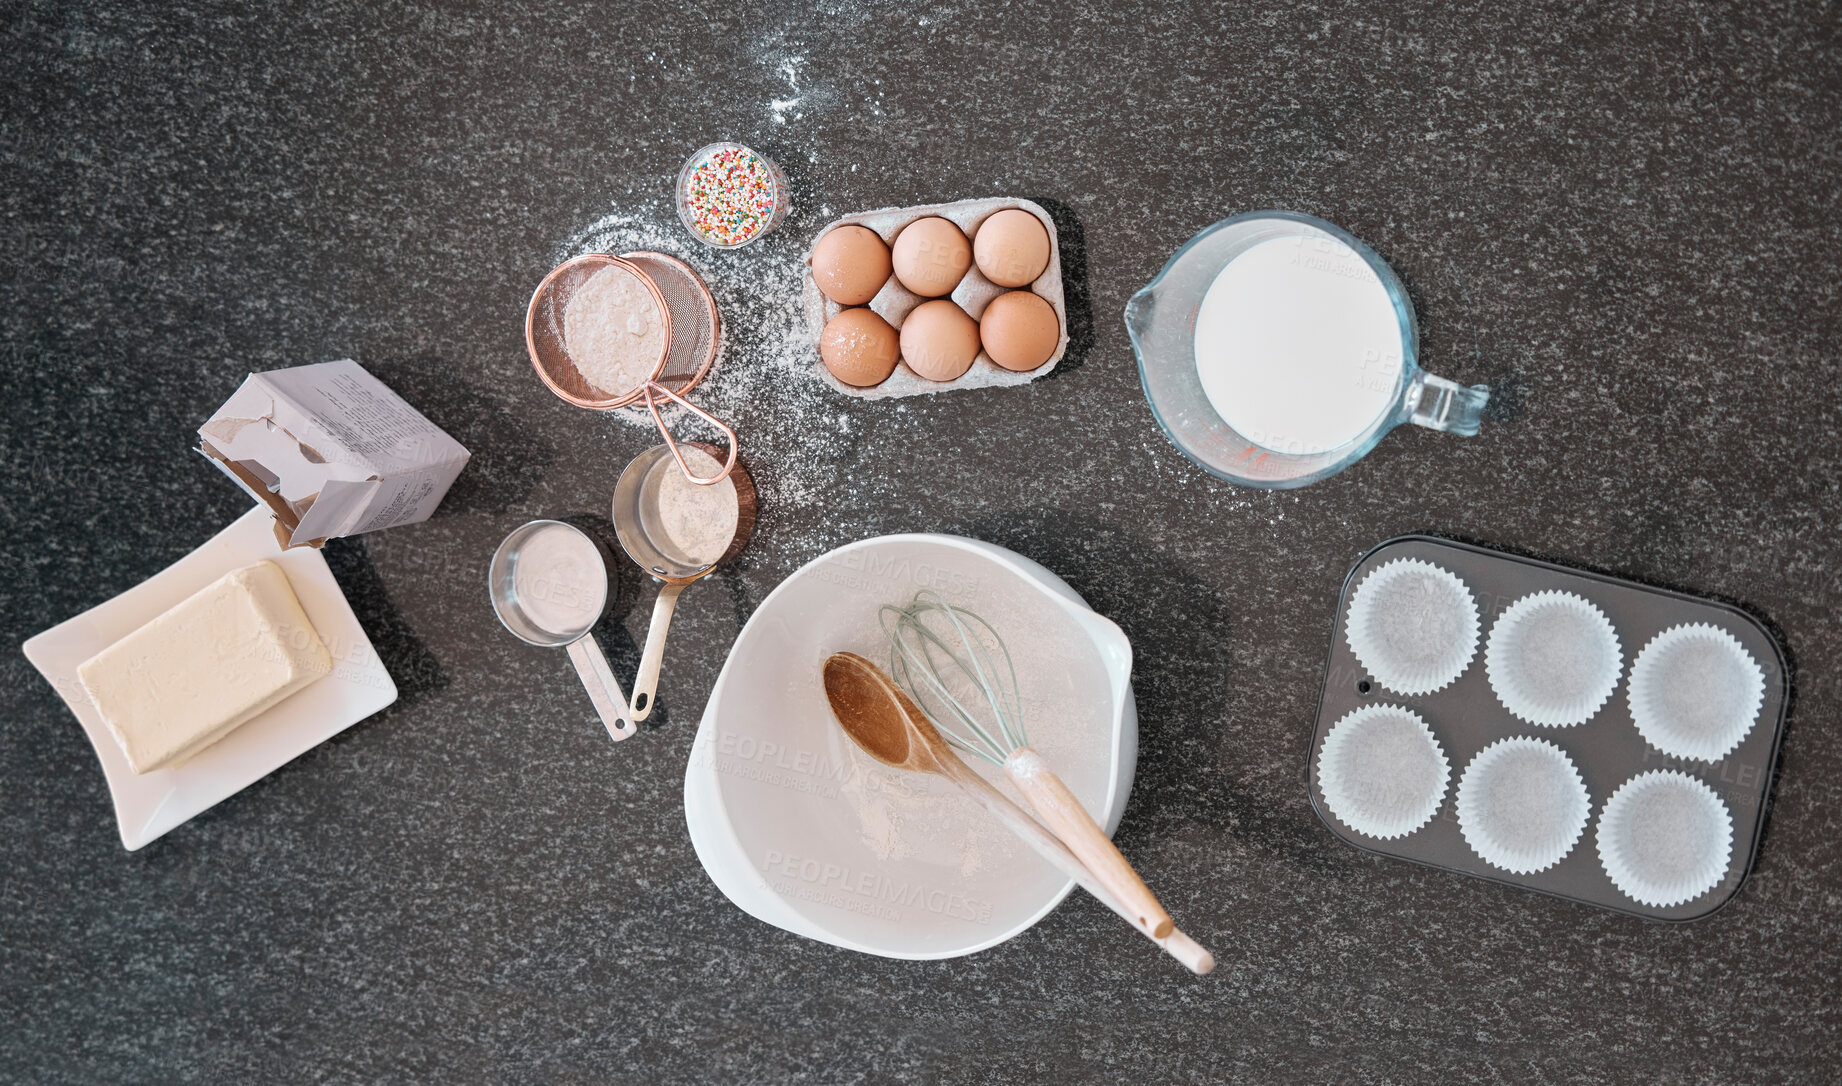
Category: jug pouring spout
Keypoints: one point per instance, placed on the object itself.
(1139, 313)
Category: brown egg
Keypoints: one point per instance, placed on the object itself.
(931, 256)
(1019, 330)
(850, 264)
(1012, 248)
(859, 348)
(939, 341)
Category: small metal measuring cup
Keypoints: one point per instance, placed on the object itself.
(644, 538)
(549, 585)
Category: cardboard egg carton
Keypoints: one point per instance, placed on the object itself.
(894, 302)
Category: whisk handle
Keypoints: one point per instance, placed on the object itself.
(1067, 819)
(1178, 945)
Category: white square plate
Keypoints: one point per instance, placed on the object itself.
(148, 805)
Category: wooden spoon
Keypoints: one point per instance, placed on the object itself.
(881, 718)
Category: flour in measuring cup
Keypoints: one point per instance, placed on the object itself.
(559, 581)
(698, 522)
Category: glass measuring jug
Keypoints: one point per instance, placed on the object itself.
(1276, 349)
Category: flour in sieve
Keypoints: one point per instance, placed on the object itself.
(613, 331)
(794, 429)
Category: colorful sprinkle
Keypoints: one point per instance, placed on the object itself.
(728, 195)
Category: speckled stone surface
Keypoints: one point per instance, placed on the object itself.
(1626, 221)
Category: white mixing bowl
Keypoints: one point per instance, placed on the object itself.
(802, 830)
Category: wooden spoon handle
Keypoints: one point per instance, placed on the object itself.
(1191, 954)
(1178, 945)
(1067, 819)
(1188, 951)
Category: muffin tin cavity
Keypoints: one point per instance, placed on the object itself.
(1522, 805)
(1553, 659)
(1695, 692)
(1665, 838)
(1413, 625)
(1382, 771)
(1543, 761)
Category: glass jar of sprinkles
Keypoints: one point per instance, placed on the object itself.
(729, 195)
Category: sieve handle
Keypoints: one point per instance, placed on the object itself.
(672, 442)
(646, 683)
(1067, 819)
(603, 688)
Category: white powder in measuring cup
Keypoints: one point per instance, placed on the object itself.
(559, 580)
(1298, 345)
(697, 522)
(613, 331)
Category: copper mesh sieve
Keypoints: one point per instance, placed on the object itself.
(688, 319)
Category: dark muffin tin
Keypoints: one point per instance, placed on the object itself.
(1466, 717)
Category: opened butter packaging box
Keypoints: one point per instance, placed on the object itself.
(331, 451)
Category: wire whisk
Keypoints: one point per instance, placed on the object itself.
(943, 658)
(935, 649)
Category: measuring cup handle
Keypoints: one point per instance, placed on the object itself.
(1439, 404)
(672, 443)
(646, 684)
(603, 688)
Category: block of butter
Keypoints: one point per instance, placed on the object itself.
(188, 678)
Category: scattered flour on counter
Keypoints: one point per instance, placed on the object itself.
(788, 68)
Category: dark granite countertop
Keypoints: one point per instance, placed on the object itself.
(1626, 222)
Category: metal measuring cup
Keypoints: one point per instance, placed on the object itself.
(549, 585)
(642, 535)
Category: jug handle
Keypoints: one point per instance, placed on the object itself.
(1439, 404)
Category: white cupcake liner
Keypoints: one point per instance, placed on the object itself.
(1553, 659)
(1665, 838)
(1522, 805)
(1695, 692)
(1413, 625)
(1382, 772)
